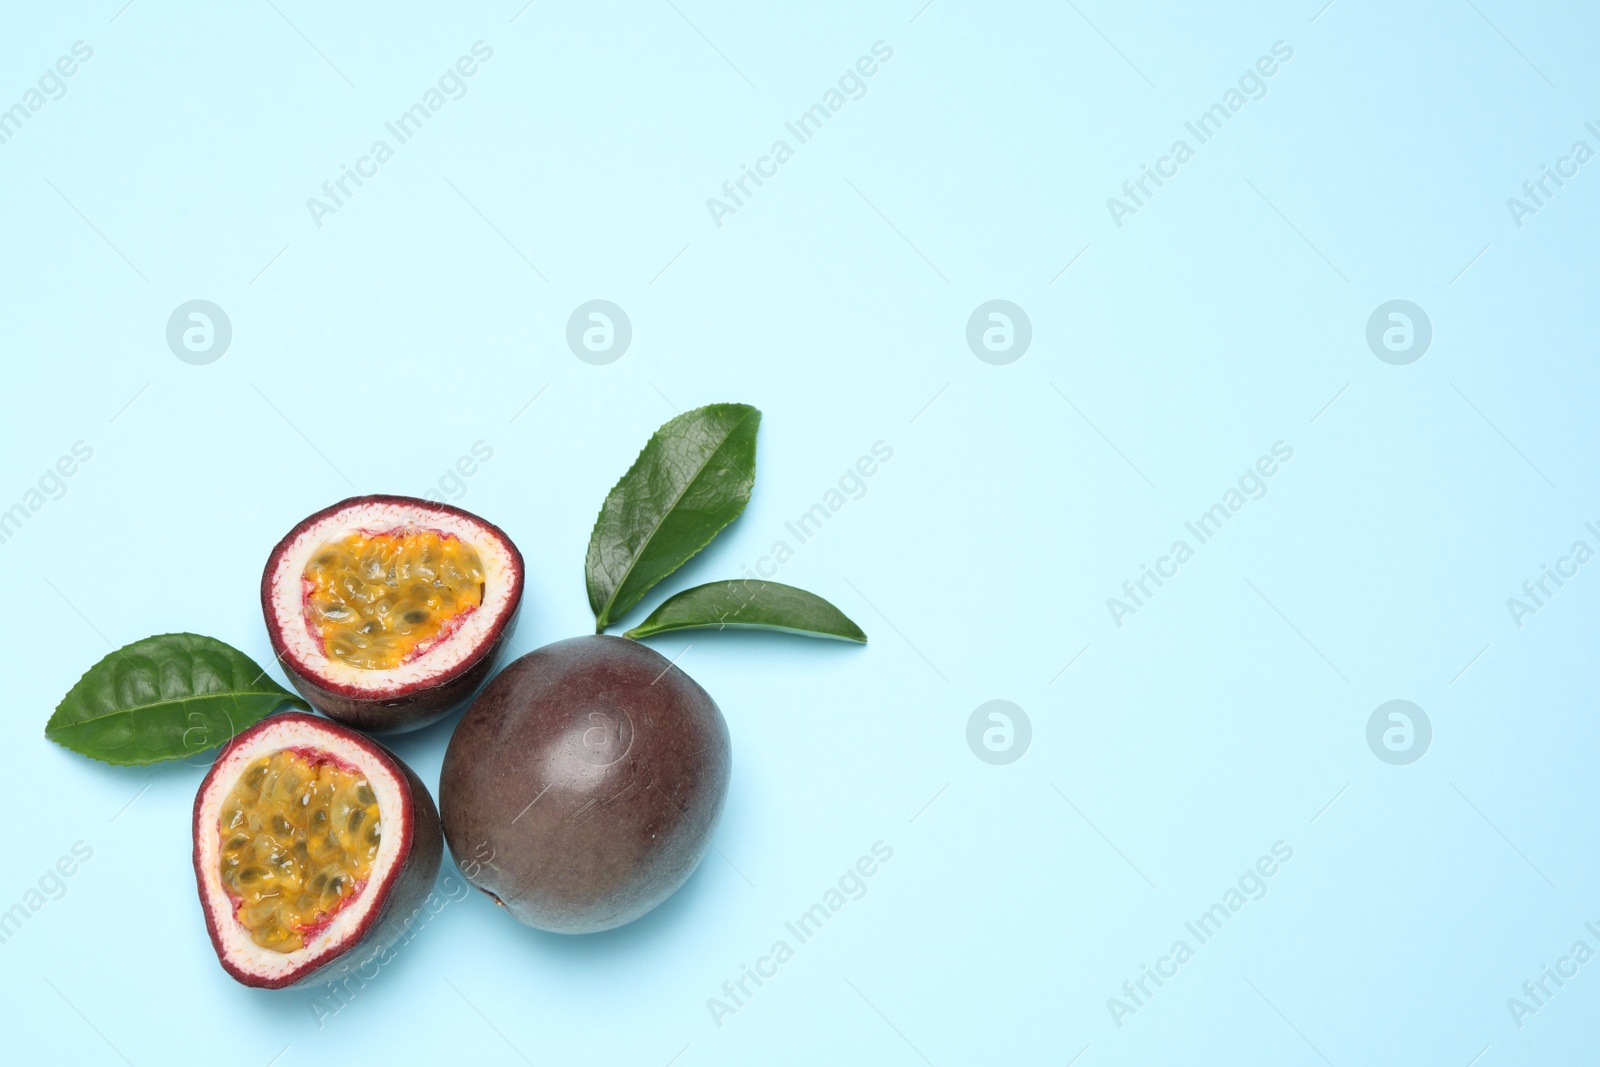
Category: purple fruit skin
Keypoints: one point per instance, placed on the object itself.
(582, 786)
(421, 707)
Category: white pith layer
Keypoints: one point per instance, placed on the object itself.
(286, 595)
(390, 793)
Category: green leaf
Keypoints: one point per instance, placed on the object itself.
(164, 698)
(691, 480)
(747, 604)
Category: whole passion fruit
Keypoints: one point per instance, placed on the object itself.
(581, 788)
(388, 612)
(313, 848)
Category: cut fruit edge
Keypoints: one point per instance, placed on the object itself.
(239, 954)
(473, 633)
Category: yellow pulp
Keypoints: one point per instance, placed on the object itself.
(376, 600)
(298, 835)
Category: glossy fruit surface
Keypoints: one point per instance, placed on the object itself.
(582, 786)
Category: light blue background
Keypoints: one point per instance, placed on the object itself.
(1226, 315)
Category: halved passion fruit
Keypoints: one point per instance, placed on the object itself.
(388, 612)
(314, 847)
